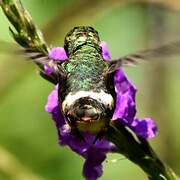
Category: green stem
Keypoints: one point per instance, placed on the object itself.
(139, 152)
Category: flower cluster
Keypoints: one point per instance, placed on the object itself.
(125, 111)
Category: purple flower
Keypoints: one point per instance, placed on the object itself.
(58, 54)
(125, 111)
(94, 154)
(125, 98)
(48, 70)
(105, 52)
(145, 128)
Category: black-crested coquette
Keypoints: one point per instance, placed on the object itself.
(90, 89)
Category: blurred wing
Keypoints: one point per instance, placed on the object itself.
(27, 35)
(159, 53)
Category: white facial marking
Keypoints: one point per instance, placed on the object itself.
(101, 96)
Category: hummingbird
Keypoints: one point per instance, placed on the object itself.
(87, 95)
(86, 91)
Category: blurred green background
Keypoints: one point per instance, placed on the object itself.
(28, 138)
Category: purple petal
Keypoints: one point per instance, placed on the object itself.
(48, 70)
(93, 153)
(125, 98)
(125, 109)
(123, 85)
(58, 54)
(105, 51)
(52, 101)
(145, 128)
(93, 165)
